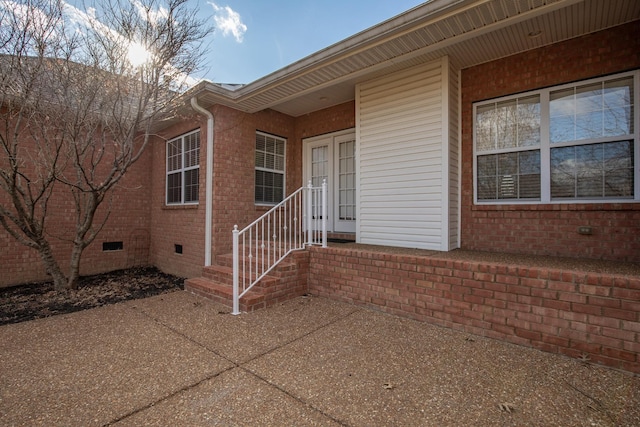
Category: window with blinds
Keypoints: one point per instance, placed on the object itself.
(183, 169)
(564, 143)
(269, 168)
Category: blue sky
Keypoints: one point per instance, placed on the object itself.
(257, 37)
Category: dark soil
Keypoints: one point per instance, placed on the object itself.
(36, 300)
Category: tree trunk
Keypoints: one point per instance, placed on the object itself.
(74, 266)
(51, 265)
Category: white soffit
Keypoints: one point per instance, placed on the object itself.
(469, 32)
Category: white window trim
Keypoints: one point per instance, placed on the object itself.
(182, 170)
(284, 170)
(545, 145)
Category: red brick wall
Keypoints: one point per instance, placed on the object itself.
(549, 229)
(128, 222)
(554, 310)
(177, 225)
(331, 119)
(234, 168)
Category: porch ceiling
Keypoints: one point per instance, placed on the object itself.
(470, 32)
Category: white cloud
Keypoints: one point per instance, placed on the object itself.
(228, 21)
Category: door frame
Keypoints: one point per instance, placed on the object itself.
(331, 139)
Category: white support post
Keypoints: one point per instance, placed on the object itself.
(309, 211)
(236, 272)
(324, 213)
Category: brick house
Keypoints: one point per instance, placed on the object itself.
(506, 127)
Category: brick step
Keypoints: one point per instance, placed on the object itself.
(282, 283)
(282, 268)
(224, 275)
(223, 294)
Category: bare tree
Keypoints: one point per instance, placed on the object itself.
(79, 97)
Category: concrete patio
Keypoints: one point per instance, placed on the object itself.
(178, 359)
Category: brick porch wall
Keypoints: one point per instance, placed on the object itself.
(549, 229)
(557, 311)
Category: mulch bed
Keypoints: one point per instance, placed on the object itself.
(37, 300)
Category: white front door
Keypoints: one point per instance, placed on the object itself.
(332, 157)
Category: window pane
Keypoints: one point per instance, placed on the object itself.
(592, 111)
(487, 188)
(618, 121)
(259, 193)
(487, 177)
(529, 174)
(562, 128)
(260, 159)
(174, 188)
(508, 164)
(563, 172)
(619, 183)
(270, 161)
(270, 145)
(529, 121)
(588, 125)
(509, 176)
(618, 93)
(588, 98)
(592, 171)
(589, 173)
(319, 165)
(508, 124)
(618, 169)
(485, 128)
(192, 150)
(279, 163)
(269, 187)
(487, 165)
(174, 155)
(191, 185)
(261, 142)
(618, 105)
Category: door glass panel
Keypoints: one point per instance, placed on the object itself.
(319, 165)
(319, 173)
(346, 180)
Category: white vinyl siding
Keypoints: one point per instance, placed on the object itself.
(452, 189)
(403, 139)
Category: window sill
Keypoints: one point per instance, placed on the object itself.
(560, 206)
(180, 207)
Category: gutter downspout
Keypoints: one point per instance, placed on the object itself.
(209, 180)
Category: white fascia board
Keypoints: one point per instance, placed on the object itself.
(405, 22)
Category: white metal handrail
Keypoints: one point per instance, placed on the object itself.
(298, 221)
